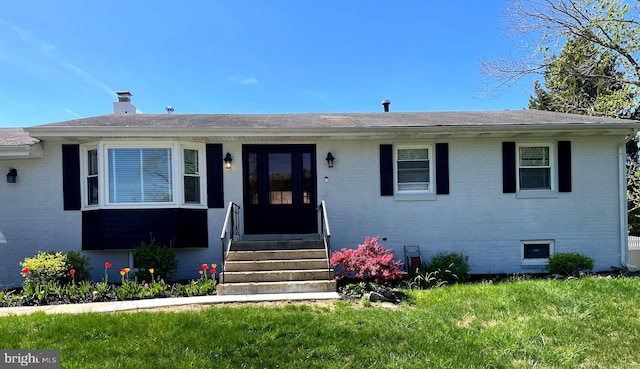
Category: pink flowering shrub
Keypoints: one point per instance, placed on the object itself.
(370, 261)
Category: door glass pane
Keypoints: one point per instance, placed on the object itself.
(280, 186)
(306, 178)
(253, 178)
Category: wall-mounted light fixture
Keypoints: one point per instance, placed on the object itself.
(330, 159)
(11, 176)
(227, 161)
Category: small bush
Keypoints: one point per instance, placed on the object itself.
(45, 267)
(570, 263)
(160, 258)
(80, 264)
(370, 261)
(357, 290)
(451, 267)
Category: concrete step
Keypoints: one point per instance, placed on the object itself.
(276, 255)
(276, 276)
(251, 265)
(276, 245)
(276, 287)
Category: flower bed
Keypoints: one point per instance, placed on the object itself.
(35, 292)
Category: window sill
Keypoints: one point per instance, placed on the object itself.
(145, 206)
(414, 197)
(534, 263)
(537, 194)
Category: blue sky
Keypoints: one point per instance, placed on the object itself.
(64, 60)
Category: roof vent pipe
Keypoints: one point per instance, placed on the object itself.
(386, 104)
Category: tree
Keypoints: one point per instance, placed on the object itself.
(607, 28)
(566, 90)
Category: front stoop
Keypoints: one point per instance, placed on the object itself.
(276, 266)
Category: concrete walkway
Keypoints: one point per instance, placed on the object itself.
(108, 307)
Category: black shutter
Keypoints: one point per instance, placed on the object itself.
(564, 166)
(442, 168)
(215, 189)
(386, 170)
(508, 167)
(71, 177)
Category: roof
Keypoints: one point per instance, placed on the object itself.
(332, 126)
(16, 137)
(337, 120)
(15, 143)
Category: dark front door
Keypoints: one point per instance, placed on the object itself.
(279, 189)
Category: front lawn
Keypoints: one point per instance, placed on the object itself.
(591, 322)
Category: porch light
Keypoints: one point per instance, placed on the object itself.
(330, 159)
(11, 176)
(227, 161)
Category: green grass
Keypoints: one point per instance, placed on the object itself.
(585, 323)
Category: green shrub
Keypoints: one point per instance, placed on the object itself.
(451, 267)
(359, 289)
(569, 263)
(80, 264)
(45, 267)
(149, 255)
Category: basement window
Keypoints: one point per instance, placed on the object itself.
(536, 252)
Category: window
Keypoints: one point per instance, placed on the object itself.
(143, 174)
(413, 170)
(191, 176)
(92, 177)
(534, 167)
(536, 252)
(140, 175)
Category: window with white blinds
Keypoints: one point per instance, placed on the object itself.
(140, 175)
(534, 167)
(413, 169)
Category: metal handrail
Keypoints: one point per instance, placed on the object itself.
(325, 233)
(230, 231)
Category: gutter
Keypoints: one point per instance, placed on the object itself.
(622, 182)
(22, 151)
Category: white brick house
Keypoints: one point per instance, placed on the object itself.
(507, 188)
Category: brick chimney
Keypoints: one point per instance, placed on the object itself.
(124, 105)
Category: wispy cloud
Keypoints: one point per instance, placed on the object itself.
(72, 113)
(245, 80)
(49, 51)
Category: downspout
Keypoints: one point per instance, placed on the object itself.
(622, 181)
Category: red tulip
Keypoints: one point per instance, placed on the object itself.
(205, 266)
(72, 272)
(107, 265)
(25, 271)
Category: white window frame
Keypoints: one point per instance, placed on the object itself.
(552, 168)
(84, 163)
(431, 153)
(177, 170)
(201, 172)
(536, 261)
